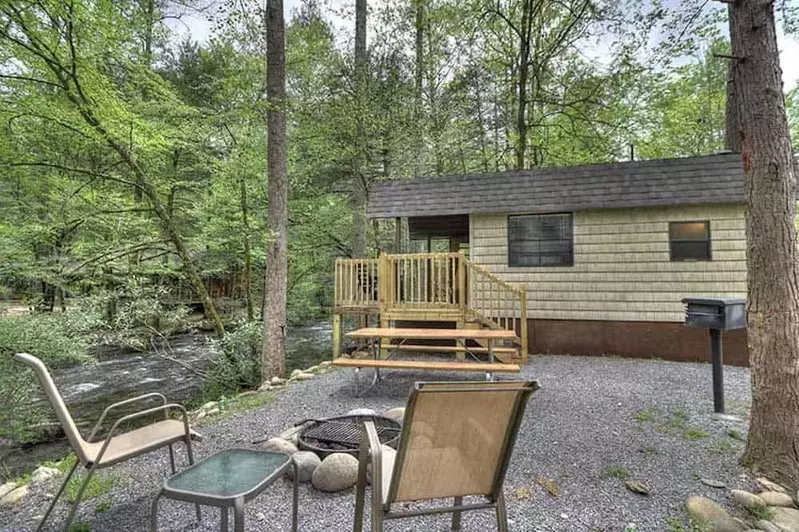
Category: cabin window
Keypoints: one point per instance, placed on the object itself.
(541, 240)
(689, 241)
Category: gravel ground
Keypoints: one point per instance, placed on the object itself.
(592, 417)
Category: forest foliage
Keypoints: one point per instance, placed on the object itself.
(128, 152)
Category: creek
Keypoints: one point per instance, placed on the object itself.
(120, 374)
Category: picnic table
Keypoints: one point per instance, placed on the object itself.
(375, 336)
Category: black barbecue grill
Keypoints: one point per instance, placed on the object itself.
(342, 434)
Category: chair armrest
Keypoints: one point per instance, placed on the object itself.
(136, 415)
(123, 403)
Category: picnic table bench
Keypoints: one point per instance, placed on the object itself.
(375, 336)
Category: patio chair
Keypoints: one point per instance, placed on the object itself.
(94, 455)
(456, 441)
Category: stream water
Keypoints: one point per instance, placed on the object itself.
(118, 375)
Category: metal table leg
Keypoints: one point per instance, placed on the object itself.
(224, 524)
(296, 496)
(238, 516)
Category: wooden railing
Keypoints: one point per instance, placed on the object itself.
(357, 284)
(430, 281)
(496, 302)
(422, 280)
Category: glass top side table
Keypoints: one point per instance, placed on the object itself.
(227, 479)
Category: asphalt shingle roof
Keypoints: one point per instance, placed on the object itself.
(687, 181)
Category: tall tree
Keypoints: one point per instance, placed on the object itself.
(773, 271)
(361, 184)
(274, 339)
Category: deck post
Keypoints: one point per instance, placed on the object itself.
(523, 324)
(462, 282)
(336, 335)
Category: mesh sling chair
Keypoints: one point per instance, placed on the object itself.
(456, 440)
(113, 449)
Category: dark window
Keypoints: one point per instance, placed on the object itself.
(540, 240)
(689, 240)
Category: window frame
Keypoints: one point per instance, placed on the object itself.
(568, 264)
(673, 241)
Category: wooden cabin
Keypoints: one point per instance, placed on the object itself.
(587, 260)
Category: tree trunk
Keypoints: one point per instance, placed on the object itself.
(524, 68)
(274, 354)
(732, 130)
(359, 193)
(247, 281)
(418, 77)
(773, 277)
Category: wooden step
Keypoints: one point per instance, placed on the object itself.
(426, 365)
(451, 349)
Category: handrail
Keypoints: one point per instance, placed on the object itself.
(356, 283)
(483, 270)
(433, 282)
(497, 302)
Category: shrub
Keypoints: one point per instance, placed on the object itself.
(238, 362)
(56, 340)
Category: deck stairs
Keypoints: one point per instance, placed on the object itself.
(431, 287)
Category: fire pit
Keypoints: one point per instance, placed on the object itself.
(342, 434)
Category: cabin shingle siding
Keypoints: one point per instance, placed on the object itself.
(622, 269)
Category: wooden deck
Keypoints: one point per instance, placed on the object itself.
(431, 287)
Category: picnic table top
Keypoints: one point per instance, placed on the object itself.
(433, 334)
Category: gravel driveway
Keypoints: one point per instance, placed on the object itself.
(594, 422)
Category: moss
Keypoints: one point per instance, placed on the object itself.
(617, 472)
(647, 414)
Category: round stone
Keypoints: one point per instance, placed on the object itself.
(784, 518)
(339, 471)
(6, 488)
(279, 445)
(704, 509)
(14, 496)
(397, 414)
(767, 485)
(307, 462)
(295, 373)
(43, 473)
(775, 498)
(302, 376)
(277, 381)
(767, 526)
(361, 412)
(209, 405)
(746, 499)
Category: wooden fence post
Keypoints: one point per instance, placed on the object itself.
(336, 335)
(462, 281)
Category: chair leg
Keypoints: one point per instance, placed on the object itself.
(154, 513)
(377, 507)
(75, 505)
(57, 496)
(502, 514)
(360, 493)
(172, 458)
(456, 515)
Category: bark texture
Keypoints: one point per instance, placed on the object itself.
(275, 278)
(360, 184)
(773, 281)
(732, 129)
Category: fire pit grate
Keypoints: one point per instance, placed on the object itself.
(343, 434)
